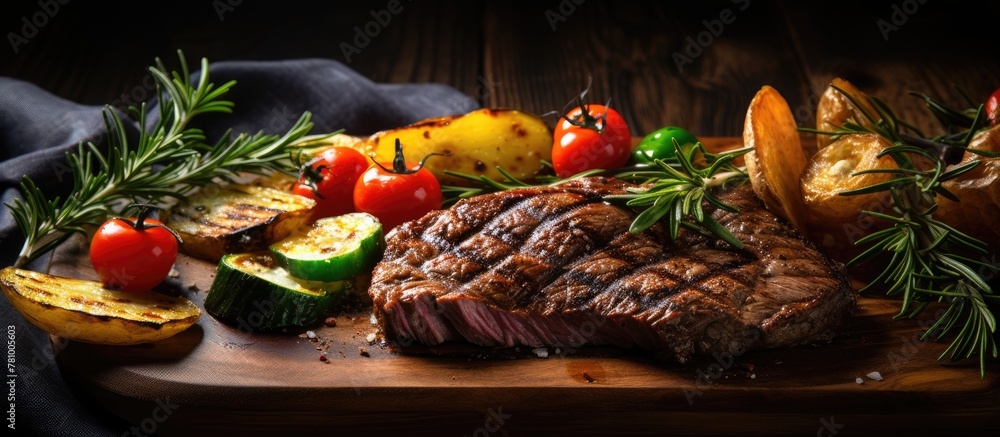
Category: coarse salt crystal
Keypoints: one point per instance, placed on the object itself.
(859, 380)
(541, 352)
(875, 375)
(370, 337)
(310, 334)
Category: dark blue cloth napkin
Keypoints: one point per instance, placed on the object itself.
(38, 128)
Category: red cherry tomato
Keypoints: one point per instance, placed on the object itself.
(993, 108)
(594, 137)
(398, 192)
(329, 180)
(133, 254)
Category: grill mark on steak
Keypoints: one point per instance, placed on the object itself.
(557, 266)
(524, 223)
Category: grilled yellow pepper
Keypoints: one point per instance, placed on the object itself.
(85, 311)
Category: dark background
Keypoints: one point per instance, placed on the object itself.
(507, 53)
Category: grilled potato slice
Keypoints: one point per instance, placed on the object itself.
(834, 108)
(979, 192)
(85, 311)
(236, 218)
(777, 160)
(835, 221)
(831, 172)
(477, 142)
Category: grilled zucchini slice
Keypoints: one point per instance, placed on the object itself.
(236, 218)
(253, 292)
(333, 248)
(85, 311)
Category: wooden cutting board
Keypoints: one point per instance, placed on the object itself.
(216, 378)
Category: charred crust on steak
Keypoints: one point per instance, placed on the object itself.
(557, 267)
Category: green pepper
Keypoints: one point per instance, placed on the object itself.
(660, 144)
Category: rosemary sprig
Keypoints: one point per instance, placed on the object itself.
(672, 189)
(677, 191)
(961, 127)
(928, 260)
(454, 193)
(170, 160)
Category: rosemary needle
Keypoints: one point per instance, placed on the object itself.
(673, 190)
(170, 160)
(676, 191)
(928, 261)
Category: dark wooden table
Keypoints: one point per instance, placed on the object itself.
(696, 66)
(660, 64)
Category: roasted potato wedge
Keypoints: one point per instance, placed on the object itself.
(835, 221)
(236, 218)
(834, 108)
(831, 172)
(777, 160)
(477, 142)
(978, 212)
(85, 311)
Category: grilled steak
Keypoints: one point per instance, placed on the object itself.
(557, 267)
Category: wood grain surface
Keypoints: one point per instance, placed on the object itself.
(228, 378)
(535, 56)
(517, 54)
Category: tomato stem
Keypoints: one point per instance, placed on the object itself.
(312, 176)
(144, 210)
(399, 161)
(587, 121)
(139, 223)
(584, 119)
